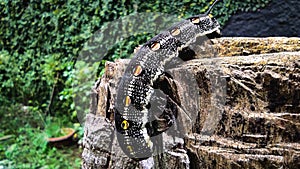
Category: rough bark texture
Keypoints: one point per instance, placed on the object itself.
(255, 125)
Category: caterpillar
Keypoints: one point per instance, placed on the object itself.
(134, 120)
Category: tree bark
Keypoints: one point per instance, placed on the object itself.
(244, 108)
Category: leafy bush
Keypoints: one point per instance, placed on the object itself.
(29, 150)
(23, 140)
(40, 42)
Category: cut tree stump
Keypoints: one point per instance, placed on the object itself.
(255, 125)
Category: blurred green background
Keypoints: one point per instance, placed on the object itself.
(40, 42)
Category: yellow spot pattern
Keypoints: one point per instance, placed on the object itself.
(129, 148)
(155, 46)
(125, 124)
(195, 20)
(127, 101)
(137, 70)
(175, 32)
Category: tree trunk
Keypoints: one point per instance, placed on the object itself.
(240, 110)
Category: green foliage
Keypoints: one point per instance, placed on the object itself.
(28, 149)
(40, 42)
(53, 127)
(23, 140)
